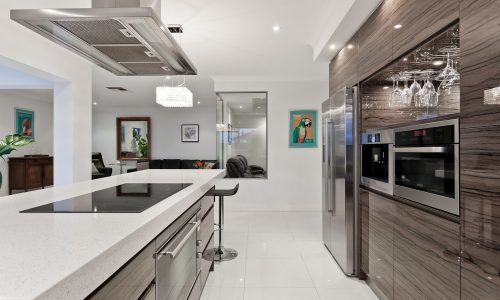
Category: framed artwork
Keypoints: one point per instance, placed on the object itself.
(303, 129)
(25, 122)
(190, 133)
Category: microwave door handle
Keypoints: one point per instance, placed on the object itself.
(423, 149)
(185, 238)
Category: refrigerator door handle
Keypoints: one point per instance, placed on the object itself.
(331, 167)
(333, 203)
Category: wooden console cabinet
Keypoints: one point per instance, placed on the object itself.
(30, 172)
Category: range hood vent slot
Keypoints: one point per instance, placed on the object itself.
(124, 41)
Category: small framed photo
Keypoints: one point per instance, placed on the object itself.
(25, 122)
(190, 133)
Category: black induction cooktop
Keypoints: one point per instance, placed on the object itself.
(125, 198)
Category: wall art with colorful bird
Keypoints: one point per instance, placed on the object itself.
(303, 129)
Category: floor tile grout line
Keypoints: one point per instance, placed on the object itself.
(310, 276)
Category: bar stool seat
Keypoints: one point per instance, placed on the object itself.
(221, 253)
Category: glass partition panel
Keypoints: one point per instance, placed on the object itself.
(242, 133)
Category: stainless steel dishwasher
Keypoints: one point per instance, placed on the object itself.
(177, 267)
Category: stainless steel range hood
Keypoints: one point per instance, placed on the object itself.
(118, 35)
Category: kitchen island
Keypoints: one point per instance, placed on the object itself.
(70, 255)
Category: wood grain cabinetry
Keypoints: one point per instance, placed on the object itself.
(132, 280)
(377, 243)
(479, 61)
(26, 173)
(480, 211)
(480, 149)
(408, 253)
(420, 19)
(426, 255)
(375, 40)
(344, 68)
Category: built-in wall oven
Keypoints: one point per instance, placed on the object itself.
(376, 160)
(426, 164)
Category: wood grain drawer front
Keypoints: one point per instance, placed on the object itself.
(426, 252)
(206, 264)
(150, 293)
(207, 202)
(34, 176)
(206, 230)
(132, 280)
(197, 289)
(380, 245)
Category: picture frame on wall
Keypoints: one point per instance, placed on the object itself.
(303, 130)
(25, 122)
(190, 133)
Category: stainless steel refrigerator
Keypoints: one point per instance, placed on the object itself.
(340, 183)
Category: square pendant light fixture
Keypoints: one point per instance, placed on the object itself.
(174, 96)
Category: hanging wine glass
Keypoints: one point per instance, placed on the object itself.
(420, 97)
(391, 98)
(429, 94)
(396, 94)
(406, 95)
(415, 87)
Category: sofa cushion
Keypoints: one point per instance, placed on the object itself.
(198, 164)
(171, 164)
(155, 164)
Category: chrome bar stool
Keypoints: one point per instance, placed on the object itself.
(221, 253)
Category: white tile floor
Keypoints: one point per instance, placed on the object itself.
(281, 257)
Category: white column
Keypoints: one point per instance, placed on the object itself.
(72, 131)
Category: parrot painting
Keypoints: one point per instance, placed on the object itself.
(300, 132)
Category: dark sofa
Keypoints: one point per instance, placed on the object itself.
(178, 164)
(103, 171)
(237, 167)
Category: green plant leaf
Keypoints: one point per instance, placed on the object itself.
(5, 150)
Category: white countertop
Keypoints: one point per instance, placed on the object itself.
(68, 255)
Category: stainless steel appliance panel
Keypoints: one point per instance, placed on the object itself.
(176, 264)
(339, 179)
(426, 164)
(377, 171)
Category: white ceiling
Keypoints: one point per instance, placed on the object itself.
(228, 38)
(234, 40)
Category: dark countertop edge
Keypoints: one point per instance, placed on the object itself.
(416, 122)
(433, 211)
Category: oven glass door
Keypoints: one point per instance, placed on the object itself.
(375, 162)
(429, 169)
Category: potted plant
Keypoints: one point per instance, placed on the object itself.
(11, 143)
(142, 144)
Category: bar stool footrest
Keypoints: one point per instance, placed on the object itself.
(220, 254)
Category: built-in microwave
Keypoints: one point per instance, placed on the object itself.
(376, 161)
(426, 164)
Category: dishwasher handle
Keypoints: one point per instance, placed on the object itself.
(181, 241)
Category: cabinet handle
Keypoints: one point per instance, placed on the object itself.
(185, 239)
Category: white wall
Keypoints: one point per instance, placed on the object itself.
(294, 181)
(165, 131)
(25, 50)
(11, 99)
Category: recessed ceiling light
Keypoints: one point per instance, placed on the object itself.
(405, 59)
(398, 26)
(276, 28)
(168, 77)
(95, 103)
(438, 62)
(258, 107)
(241, 106)
(332, 47)
(199, 102)
(386, 87)
(350, 46)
